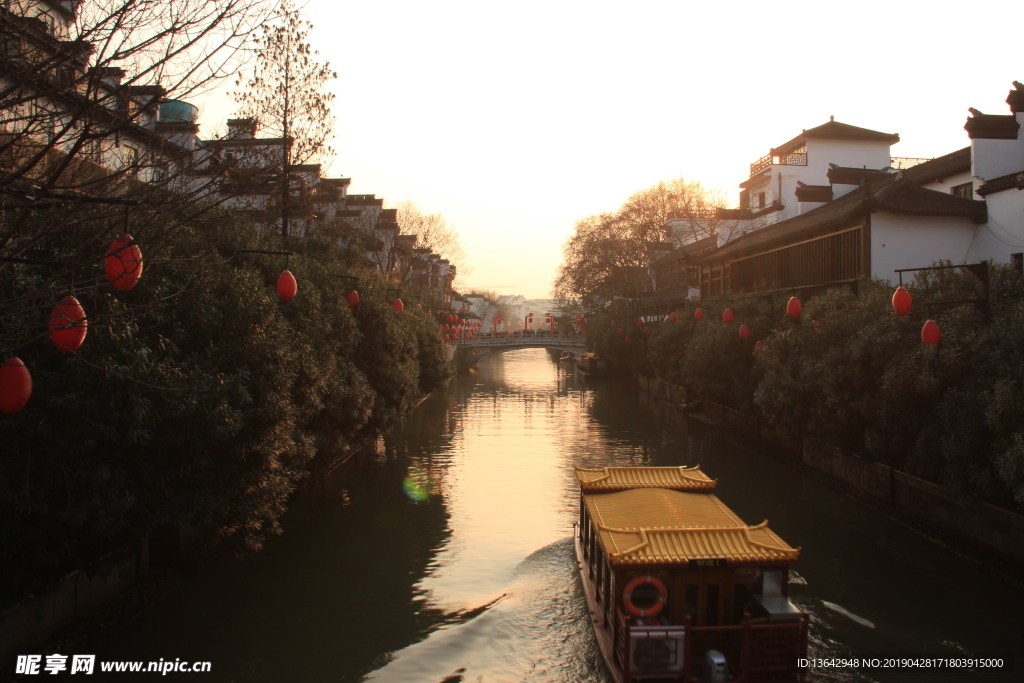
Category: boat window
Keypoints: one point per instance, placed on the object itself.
(712, 606)
(742, 601)
(692, 593)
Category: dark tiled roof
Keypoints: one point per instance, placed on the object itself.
(846, 175)
(1003, 182)
(245, 142)
(992, 126)
(893, 194)
(813, 193)
(363, 200)
(755, 180)
(1016, 97)
(940, 167)
(834, 130)
(155, 90)
(746, 214)
(903, 196)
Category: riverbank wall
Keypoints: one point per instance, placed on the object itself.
(38, 617)
(995, 530)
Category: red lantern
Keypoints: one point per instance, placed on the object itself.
(727, 315)
(448, 318)
(123, 263)
(639, 322)
(447, 339)
(446, 327)
(758, 347)
(15, 385)
(353, 300)
(613, 323)
(286, 286)
(672, 317)
(479, 323)
(618, 331)
(647, 330)
(901, 301)
(930, 333)
(698, 315)
(793, 307)
(744, 331)
(68, 324)
(398, 305)
(627, 340)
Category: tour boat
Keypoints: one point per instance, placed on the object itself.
(679, 587)
(588, 364)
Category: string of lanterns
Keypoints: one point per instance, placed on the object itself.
(901, 303)
(68, 324)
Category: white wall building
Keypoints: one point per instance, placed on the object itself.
(832, 204)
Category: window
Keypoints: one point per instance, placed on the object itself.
(711, 616)
(760, 200)
(692, 595)
(966, 190)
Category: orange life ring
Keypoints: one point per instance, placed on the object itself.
(655, 609)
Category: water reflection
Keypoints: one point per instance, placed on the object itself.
(447, 549)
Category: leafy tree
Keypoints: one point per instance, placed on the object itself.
(610, 255)
(285, 94)
(604, 259)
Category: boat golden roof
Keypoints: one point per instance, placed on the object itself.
(733, 546)
(621, 478)
(659, 526)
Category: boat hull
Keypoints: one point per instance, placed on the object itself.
(602, 632)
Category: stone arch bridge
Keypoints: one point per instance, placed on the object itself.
(470, 351)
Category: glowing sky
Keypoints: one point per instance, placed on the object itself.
(516, 119)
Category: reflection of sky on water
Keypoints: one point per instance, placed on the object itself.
(510, 489)
(445, 547)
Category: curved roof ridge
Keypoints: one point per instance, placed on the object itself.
(675, 477)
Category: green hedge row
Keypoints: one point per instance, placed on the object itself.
(201, 397)
(849, 371)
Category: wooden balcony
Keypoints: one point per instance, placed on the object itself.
(765, 162)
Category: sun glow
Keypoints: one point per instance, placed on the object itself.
(516, 120)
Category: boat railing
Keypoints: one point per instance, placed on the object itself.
(756, 648)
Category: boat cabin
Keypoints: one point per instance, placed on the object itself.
(681, 588)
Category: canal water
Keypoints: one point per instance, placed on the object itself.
(447, 549)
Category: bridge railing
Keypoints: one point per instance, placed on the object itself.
(548, 340)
